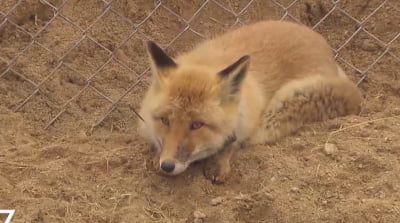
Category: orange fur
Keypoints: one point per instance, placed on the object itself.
(290, 79)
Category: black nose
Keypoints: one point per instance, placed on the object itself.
(168, 166)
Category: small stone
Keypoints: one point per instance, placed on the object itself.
(216, 201)
(295, 189)
(364, 133)
(330, 149)
(241, 197)
(298, 147)
(324, 202)
(269, 197)
(199, 215)
(360, 166)
(369, 45)
(273, 179)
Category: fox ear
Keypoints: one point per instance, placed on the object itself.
(159, 59)
(233, 76)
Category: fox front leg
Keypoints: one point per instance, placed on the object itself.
(217, 168)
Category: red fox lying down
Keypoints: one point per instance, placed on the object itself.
(251, 85)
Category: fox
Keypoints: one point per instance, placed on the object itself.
(248, 86)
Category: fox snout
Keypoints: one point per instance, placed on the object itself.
(167, 166)
(174, 159)
(172, 167)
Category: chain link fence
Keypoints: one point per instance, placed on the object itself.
(91, 39)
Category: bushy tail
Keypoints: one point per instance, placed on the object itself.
(314, 98)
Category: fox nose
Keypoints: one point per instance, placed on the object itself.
(168, 166)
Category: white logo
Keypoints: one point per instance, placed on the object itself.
(10, 215)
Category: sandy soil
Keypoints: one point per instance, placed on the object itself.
(72, 172)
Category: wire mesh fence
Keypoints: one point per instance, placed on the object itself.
(98, 46)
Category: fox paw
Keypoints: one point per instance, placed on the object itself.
(217, 172)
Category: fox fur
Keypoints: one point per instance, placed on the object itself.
(255, 84)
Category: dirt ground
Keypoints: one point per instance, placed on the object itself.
(72, 172)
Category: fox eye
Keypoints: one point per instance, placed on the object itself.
(196, 125)
(165, 121)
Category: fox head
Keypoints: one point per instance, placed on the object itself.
(190, 111)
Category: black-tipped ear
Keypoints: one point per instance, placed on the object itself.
(234, 75)
(225, 72)
(159, 58)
